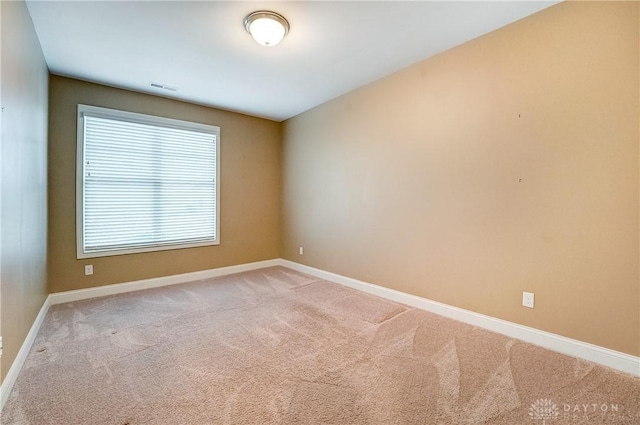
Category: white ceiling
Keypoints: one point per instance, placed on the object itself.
(203, 49)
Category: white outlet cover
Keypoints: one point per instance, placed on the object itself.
(88, 270)
(528, 299)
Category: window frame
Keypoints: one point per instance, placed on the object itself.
(133, 117)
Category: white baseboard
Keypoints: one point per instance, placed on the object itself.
(594, 353)
(604, 356)
(16, 366)
(120, 288)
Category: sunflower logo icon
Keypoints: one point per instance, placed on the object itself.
(543, 409)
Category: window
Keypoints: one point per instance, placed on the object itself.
(144, 183)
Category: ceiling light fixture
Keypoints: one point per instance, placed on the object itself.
(267, 28)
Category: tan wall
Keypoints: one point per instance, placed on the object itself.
(23, 179)
(504, 165)
(250, 154)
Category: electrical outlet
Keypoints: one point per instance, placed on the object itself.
(88, 269)
(527, 299)
(0, 346)
(301, 250)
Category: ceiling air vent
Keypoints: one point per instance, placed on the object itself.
(162, 86)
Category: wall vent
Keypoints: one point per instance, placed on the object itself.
(163, 86)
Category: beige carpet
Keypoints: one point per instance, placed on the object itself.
(278, 347)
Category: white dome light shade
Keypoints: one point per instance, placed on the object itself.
(267, 28)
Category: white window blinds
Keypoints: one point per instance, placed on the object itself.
(145, 183)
